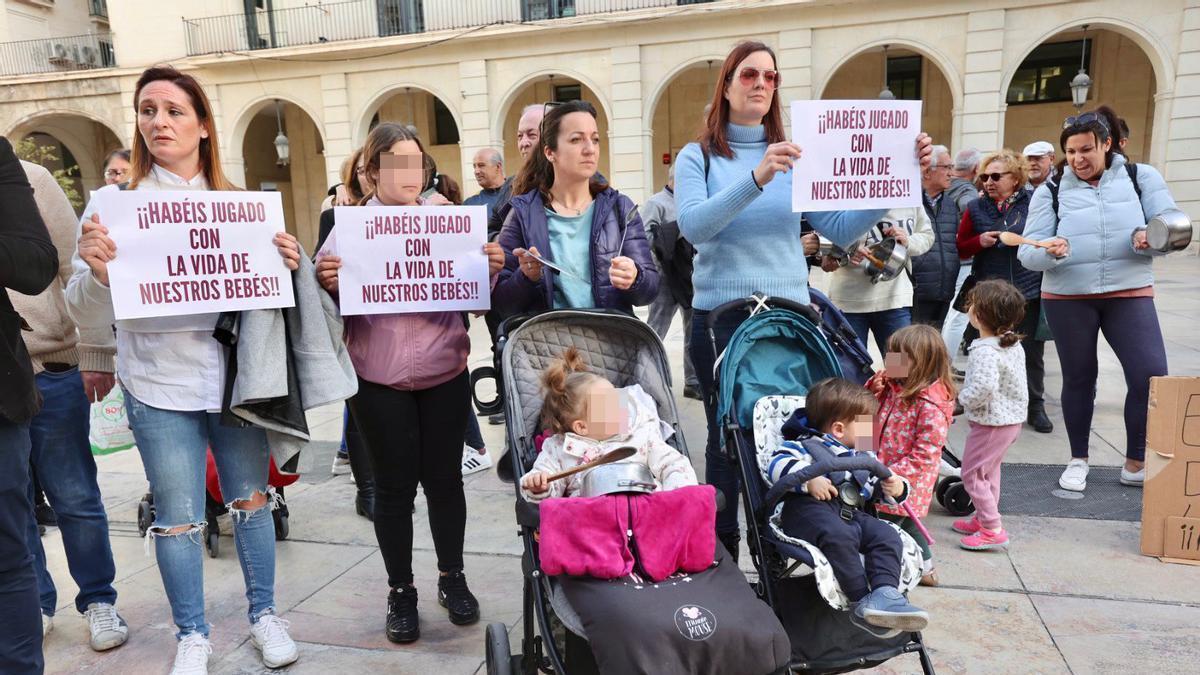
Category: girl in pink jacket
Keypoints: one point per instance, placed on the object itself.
(916, 406)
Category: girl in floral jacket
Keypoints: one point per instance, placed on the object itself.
(916, 405)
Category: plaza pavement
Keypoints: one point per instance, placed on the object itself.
(1070, 596)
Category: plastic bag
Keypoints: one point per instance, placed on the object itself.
(109, 425)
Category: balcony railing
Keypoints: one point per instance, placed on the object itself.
(359, 19)
(58, 54)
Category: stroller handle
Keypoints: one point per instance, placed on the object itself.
(754, 300)
(820, 468)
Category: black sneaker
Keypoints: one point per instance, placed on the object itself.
(45, 515)
(691, 392)
(1040, 421)
(403, 624)
(454, 595)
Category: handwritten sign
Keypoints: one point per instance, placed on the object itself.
(856, 155)
(401, 259)
(186, 252)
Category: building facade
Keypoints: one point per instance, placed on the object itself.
(323, 73)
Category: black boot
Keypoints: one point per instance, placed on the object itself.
(403, 623)
(732, 543)
(1039, 420)
(360, 467)
(454, 595)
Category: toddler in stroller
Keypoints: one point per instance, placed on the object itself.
(590, 417)
(831, 510)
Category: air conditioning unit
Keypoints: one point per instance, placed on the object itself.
(89, 56)
(59, 55)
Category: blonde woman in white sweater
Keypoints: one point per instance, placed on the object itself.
(996, 401)
(884, 307)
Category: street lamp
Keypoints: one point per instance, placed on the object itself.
(281, 141)
(886, 94)
(1081, 83)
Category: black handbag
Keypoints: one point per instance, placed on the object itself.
(964, 291)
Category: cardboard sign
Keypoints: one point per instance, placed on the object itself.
(856, 155)
(1171, 494)
(401, 259)
(189, 252)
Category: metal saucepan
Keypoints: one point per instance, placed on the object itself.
(886, 260)
(828, 248)
(1169, 231)
(616, 478)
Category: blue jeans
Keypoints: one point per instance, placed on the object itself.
(20, 623)
(719, 471)
(882, 324)
(62, 460)
(173, 445)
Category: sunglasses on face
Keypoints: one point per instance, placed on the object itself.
(994, 177)
(749, 75)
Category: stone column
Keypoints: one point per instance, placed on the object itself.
(335, 110)
(629, 140)
(474, 133)
(1182, 145)
(980, 122)
(795, 69)
(232, 161)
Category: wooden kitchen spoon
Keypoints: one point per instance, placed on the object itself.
(1014, 239)
(607, 458)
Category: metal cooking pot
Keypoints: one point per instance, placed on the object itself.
(1169, 231)
(617, 478)
(826, 247)
(892, 256)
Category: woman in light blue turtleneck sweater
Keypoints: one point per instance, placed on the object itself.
(737, 212)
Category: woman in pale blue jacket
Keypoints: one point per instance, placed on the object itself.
(1097, 277)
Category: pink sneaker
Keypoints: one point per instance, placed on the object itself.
(985, 540)
(967, 526)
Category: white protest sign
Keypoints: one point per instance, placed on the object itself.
(400, 259)
(856, 155)
(191, 252)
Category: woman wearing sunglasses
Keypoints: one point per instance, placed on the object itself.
(570, 239)
(735, 206)
(1098, 277)
(1005, 208)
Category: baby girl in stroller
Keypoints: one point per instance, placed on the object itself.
(589, 418)
(831, 511)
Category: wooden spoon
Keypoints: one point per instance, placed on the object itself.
(607, 458)
(1014, 239)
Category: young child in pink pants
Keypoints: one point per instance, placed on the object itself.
(996, 402)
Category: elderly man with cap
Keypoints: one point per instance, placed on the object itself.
(1040, 156)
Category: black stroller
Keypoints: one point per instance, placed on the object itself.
(552, 635)
(767, 367)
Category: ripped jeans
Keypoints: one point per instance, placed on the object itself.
(173, 445)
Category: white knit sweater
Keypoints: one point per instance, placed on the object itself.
(994, 392)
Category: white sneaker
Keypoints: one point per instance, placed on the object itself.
(341, 465)
(944, 469)
(1074, 478)
(191, 655)
(270, 635)
(1133, 478)
(107, 628)
(473, 461)
(47, 625)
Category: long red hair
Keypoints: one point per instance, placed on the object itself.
(713, 136)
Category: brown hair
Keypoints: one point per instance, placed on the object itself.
(538, 172)
(1015, 163)
(563, 383)
(350, 175)
(928, 360)
(210, 157)
(380, 140)
(1108, 126)
(1000, 307)
(713, 138)
(836, 400)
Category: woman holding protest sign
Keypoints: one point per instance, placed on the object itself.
(172, 371)
(734, 201)
(412, 405)
(566, 214)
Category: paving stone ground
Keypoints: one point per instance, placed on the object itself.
(1069, 596)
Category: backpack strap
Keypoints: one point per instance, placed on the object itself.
(1132, 170)
(704, 151)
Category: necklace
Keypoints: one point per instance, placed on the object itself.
(578, 210)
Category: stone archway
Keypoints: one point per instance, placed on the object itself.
(78, 145)
(540, 89)
(302, 181)
(436, 123)
(678, 114)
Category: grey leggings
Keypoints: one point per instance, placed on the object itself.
(1130, 325)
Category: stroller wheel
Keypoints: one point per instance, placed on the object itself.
(145, 517)
(281, 526)
(499, 657)
(957, 501)
(942, 486)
